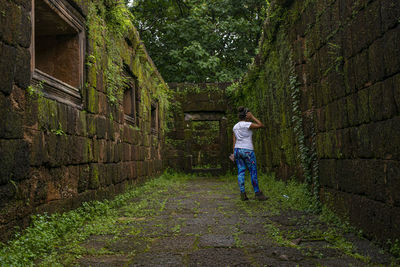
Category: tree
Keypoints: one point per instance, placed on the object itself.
(200, 40)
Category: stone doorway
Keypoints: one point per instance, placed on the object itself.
(205, 141)
(197, 138)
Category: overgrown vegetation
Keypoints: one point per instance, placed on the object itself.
(115, 48)
(200, 41)
(271, 90)
(108, 25)
(54, 240)
(59, 239)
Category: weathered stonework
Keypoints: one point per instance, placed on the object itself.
(197, 140)
(346, 57)
(54, 155)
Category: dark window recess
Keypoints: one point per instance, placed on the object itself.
(58, 50)
(131, 102)
(154, 118)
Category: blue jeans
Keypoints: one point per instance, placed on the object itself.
(246, 157)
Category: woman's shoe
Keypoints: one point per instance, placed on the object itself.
(260, 196)
(243, 197)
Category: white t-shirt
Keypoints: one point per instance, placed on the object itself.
(244, 135)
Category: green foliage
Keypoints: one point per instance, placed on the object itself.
(271, 90)
(58, 131)
(53, 240)
(35, 90)
(107, 28)
(394, 247)
(199, 41)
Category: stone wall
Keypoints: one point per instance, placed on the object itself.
(55, 153)
(197, 140)
(345, 56)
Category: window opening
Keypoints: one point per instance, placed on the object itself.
(57, 50)
(154, 118)
(131, 101)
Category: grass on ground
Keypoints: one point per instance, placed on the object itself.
(55, 240)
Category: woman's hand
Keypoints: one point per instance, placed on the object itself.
(249, 116)
(256, 123)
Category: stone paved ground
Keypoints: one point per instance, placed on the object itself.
(202, 223)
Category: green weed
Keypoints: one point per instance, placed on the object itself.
(54, 239)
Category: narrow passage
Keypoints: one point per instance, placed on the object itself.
(179, 220)
(202, 222)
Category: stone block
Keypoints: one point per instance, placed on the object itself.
(391, 51)
(342, 118)
(351, 107)
(10, 22)
(118, 150)
(134, 169)
(94, 179)
(12, 122)
(395, 80)
(347, 146)
(7, 193)
(78, 151)
(136, 153)
(81, 124)
(72, 116)
(139, 169)
(38, 154)
(390, 138)
(376, 64)
(51, 149)
(126, 152)
(104, 174)
(84, 178)
(62, 111)
(346, 37)
(125, 135)
(110, 132)
(350, 75)
(31, 112)
(101, 127)
(25, 31)
(372, 173)
(361, 71)
(88, 152)
(362, 138)
(91, 125)
(373, 21)
(22, 68)
(337, 84)
(366, 26)
(7, 67)
(388, 104)
(380, 139)
(144, 152)
(390, 10)
(376, 102)
(393, 183)
(363, 106)
(92, 102)
(327, 173)
(14, 160)
(395, 218)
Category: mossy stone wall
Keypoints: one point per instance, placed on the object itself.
(53, 156)
(327, 84)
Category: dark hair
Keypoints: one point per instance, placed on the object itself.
(242, 111)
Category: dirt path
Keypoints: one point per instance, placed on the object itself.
(203, 223)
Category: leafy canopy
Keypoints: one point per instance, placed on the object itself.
(200, 40)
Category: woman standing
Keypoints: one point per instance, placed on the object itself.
(243, 151)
